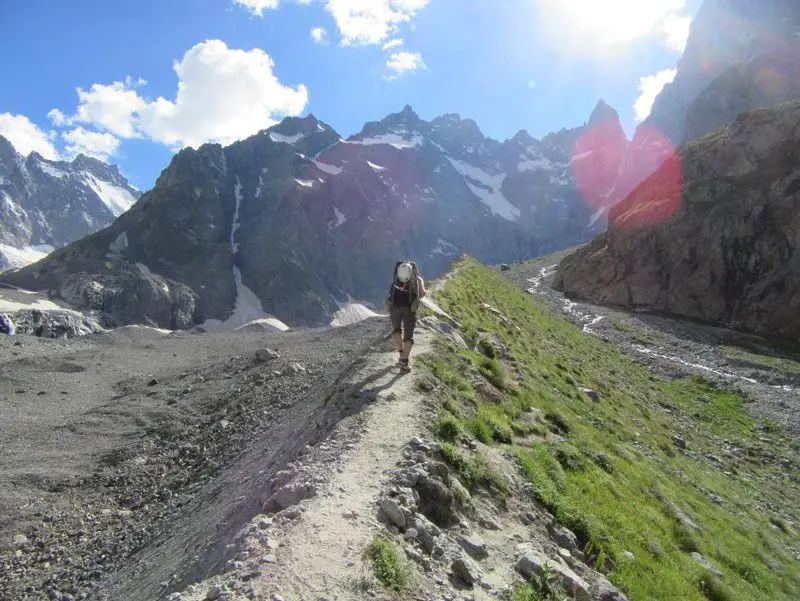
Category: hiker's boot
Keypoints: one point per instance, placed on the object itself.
(404, 355)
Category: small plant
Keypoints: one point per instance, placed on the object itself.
(448, 428)
(486, 348)
(558, 422)
(569, 457)
(493, 370)
(714, 589)
(481, 429)
(685, 539)
(388, 564)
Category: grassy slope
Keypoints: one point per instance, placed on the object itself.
(609, 469)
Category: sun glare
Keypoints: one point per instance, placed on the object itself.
(607, 22)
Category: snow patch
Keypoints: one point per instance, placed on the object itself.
(444, 248)
(145, 271)
(52, 171)
(276, 137)
(260, 182)
(270, 321)
(488, 189)
(119, 244)
(394, 139)
(331, 169)
(534, 164)
(306, 183)
(20, 257)
(352, 312)
(117, 199)
(582, 155)
(376, 167)
(597, 215)
(39, 304)
(248, 307)
(340, 217)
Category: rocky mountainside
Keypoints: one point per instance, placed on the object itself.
(713, 234)
(740, 56)
(295, 221)
(46, 204)
(724, 34)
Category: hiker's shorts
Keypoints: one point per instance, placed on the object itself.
(404, 320)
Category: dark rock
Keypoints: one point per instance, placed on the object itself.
(391, 512)
(264, 355)
(679, 442)
(474, 546)
(465, 571)
(592, 394)
(563, 536)
(436, 502)
(706, 564)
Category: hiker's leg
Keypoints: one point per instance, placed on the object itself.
(397, 333)
(409, 323)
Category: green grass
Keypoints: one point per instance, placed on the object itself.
(388, 564)
(609, 470)
(473, 470)
(736, 353)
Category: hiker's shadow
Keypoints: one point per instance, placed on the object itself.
(361, 393)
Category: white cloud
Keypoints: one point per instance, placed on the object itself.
(223, 95)
(405, 61)
(91, 143)
(110, 107)
(650, 86)
(677, 28)
(393, 43)
(611, 22)
(58, 118)
(256, 7)
(319, 35)
(371, 21)
(25, 136)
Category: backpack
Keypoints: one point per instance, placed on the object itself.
(411, 286)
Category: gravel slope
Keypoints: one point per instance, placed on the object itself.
(149, 450)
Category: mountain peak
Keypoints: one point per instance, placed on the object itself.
(602, 112)
(7, 148)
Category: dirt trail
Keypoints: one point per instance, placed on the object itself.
(337, 526)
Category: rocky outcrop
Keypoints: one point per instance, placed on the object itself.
(48, 204)
(761, 83)
(724, 34)
(712, 235)
(740, 55)
(294, 221)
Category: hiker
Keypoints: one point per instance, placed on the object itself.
(405, 292)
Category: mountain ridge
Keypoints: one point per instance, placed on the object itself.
(46, 204)
(302, 220)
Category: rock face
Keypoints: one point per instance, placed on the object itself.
(46, 204)
(740, 55)
(762, 83)
(713, 234)
(294, 221)
(724, 34)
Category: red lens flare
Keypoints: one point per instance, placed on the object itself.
(642, 180)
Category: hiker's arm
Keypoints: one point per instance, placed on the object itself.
(421, 287)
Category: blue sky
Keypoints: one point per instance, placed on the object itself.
(538, 65)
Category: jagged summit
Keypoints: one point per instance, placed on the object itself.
(602, 112)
